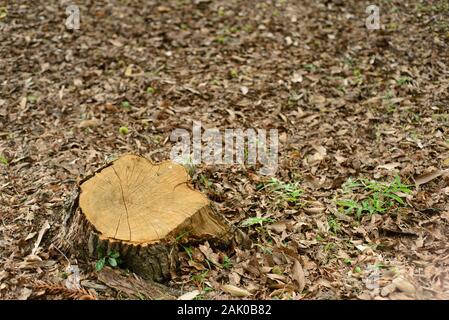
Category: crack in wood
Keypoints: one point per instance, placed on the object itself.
(126, 208)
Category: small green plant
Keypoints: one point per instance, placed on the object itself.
(204, 181)
(221, 12)
(111, 258)
(227, 263)
(216, 82)
(221, 39)
(387, 100)
(182, 235)
(380, 196)
(388, 96)
(358, 77)
(233, 29)
(32, 98)
(208, 289)
(349, 62)
(350, 185)
(3, 12)
(309, 67)
(293, 98)
(126, 105)
(189, 251)
(3, 160)
(437, 6)
(247, 28)
(233, 73)
(442, 26)
(256, 221)
(189, 166)
(289, 191)
(264, 249)
(123, 130)
(151, 90)
(334, 226)
(198, 279)
(402, 81)
(442, 117)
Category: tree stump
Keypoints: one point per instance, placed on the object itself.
(142, 211)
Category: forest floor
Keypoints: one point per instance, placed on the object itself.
(358, 208)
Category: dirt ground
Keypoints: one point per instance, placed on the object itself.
(347, 102)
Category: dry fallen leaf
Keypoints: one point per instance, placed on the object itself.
(25, 294)
(298, 275)
(129, 71)
(73, 277)
(244, 90)
(314, 210)
(404, 285)
(318, 99)
(278, 227)
(427, 177)
(116, 43)
(235, 291)
(44, 229)
(196, 265)
(389, 166)
(30, 235)
(387, 289)
(209, 253)
(297, 78)
(189, 295)
(89, 123)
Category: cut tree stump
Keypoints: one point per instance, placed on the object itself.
(142, 211)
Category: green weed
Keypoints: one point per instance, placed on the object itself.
(3, 12)
(309, 67)
(334, 226)
(190, 167)
(198, 279)
(289, 191)
(126, 105)
(111, 258)
(3, 160)
(264, 249)
(204, 181)
(381, 196)
(189, 251)
(233, 73)
(227, 263)
(151, 90)
(402, 81)
(123, 131)
(221, 39)
(256, 221)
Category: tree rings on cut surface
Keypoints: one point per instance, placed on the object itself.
(140, 210)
